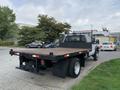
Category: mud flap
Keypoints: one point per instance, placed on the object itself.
(60, 69)
(82, 60)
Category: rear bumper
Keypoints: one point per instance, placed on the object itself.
(33, 56)
(108, 49)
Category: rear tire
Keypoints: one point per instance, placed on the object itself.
(115, 49)
(74, 68)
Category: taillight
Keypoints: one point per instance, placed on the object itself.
(100, 46)
(36, 56)
(111, 46)
(66, 55)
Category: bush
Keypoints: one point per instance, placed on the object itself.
(6, 43)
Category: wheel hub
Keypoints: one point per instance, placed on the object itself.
(77, 68)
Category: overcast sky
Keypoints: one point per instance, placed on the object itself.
(81, 14)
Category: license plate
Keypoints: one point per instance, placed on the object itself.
(106, 47)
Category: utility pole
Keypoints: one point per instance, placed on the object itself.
(91, 26)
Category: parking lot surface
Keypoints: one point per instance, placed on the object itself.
(15, 79)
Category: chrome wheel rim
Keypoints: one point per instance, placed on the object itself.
(77, 68)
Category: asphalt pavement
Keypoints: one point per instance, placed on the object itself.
(15, 79)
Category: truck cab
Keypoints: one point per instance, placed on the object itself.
(82, 40)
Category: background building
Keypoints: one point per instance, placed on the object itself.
(117, 35)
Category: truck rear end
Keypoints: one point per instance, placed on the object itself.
(38, 59)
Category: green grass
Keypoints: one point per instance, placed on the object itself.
(118, 47)
(104, 77)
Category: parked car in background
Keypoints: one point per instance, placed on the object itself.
(49, 45)
(108, 46)
(34, 45)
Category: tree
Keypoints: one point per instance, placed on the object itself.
(7, 23)
(52, 27)
(30, 34)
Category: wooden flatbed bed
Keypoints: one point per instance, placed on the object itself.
(47, 51)
(53, 54)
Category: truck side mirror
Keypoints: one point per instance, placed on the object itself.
(95, 41)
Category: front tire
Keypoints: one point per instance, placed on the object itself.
(95, 56)
(115, 49)
(74, 68)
